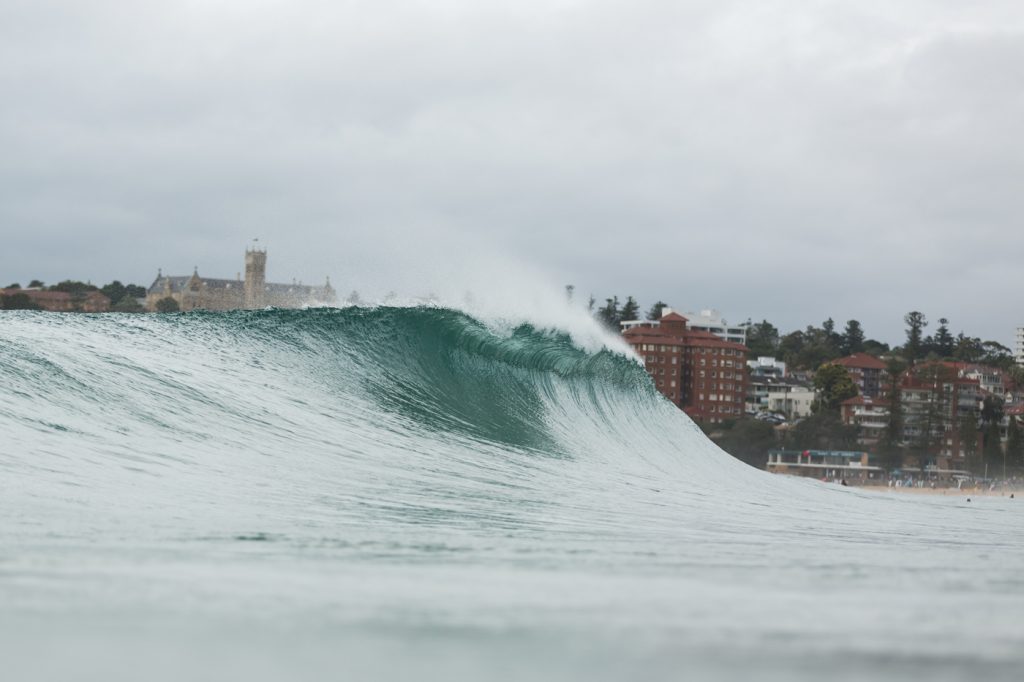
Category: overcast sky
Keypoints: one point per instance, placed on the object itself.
(780, 159)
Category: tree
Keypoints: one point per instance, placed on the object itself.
(791, 346)
(968, 436)
(834, 385)
(73, 287)
(996, 354)
(891, 445)
(991, 449)
(128, 304)
(1014, 445)
(832, 339)
(167, 305)
(115, 291)
(943, 343)
(609, 314)
(655, 312)
(36, 284)
(18, 302)
(991, 410)
(853, 338)
(135, 291)
(762, 339)
(967, 349)
(14, 286)
(824, 431)
(630, 310)
(748, 440)
(876, 348)
(354, 298)
(815, 348)
(916, 323)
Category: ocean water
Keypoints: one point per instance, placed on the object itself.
(412, 493)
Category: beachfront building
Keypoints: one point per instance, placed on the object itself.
(1018, 351)
(867, 371)
(204, 293)
(699, 372)
(833, 465)
(62, 301)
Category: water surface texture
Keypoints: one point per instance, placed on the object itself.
(412, 493)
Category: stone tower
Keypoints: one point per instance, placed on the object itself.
(255, 277)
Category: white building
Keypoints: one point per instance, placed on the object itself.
(1018, 352)
(767, 366)
(766, 393)
(712, 321)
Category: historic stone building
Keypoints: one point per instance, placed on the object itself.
(203, 293)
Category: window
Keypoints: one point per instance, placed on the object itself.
(672, 383)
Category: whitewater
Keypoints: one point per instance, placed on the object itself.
(415, 492)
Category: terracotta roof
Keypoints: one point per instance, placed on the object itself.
(860, 361)
(673, 317)
(689, 337)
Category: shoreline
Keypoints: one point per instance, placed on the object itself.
(947, 492)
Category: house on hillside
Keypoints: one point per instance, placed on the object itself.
(867, 372)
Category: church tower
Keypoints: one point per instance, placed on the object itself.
(255, 277)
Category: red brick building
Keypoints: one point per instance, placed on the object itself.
(698, 371)
(867, 371)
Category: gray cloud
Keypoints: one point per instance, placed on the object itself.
(776, 159)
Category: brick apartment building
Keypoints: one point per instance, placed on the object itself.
(701, 373)
(867, 371)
